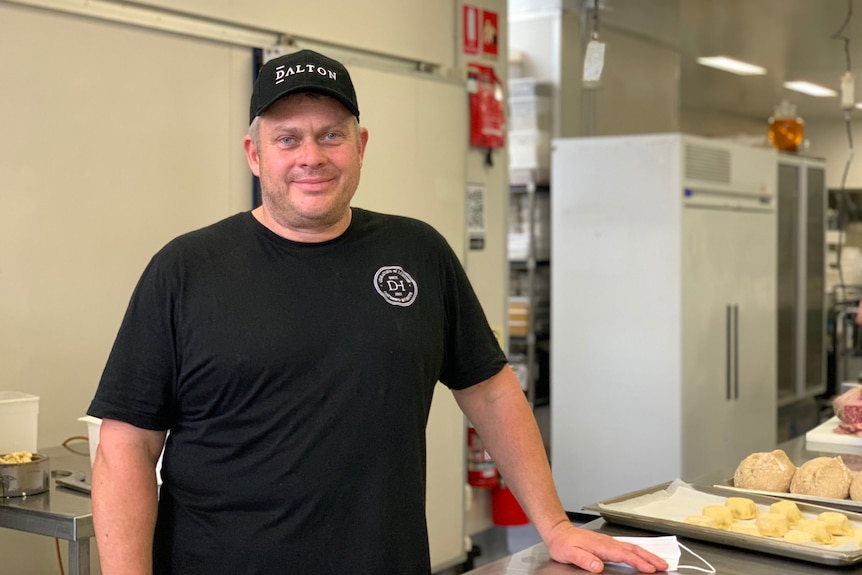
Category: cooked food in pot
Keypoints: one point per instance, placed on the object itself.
(16, 457)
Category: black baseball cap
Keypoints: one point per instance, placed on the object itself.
(303, 71)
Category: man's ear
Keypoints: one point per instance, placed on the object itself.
(251, 156)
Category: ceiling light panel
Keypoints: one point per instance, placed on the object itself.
(810, 89)
(733, 66)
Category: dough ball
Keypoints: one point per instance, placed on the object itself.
(818, 529)
(765, 471)
(837, 523)
(856, 487)
(789, 509)
(700, 520)
(722, 515)
(842, 539)
(745, 528)
(772, 525)
(796, 536)
(823, 477)
(742, 507)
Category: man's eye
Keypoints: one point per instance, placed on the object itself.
(287, 140)
(330, 136)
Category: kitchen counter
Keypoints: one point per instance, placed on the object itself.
(726, 560)
(59, 512)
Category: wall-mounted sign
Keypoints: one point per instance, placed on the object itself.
(481, 31)
(476, 226)
(471, 29)
(490, 33)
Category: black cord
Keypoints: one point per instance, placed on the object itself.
(839, 35)
(846, 206)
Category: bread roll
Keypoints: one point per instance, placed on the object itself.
(765, 471)
(856, 487)
(822, 477)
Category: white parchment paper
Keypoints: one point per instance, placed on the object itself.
(679, 500)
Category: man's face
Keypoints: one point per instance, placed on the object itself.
(308, 159)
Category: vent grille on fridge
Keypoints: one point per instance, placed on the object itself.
(707, 164)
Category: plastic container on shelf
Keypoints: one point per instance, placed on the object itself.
(19, 422)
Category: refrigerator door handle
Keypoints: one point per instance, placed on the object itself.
(736, 352)
(728, 332)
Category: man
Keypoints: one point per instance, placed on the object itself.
(292, 352)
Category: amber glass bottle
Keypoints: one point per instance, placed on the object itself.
(786, 129)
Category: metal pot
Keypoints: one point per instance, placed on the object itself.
(21, 479)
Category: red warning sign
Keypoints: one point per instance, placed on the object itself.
(490, 34)
(471, 21)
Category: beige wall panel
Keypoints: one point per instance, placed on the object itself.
(117, 140)
(415, 29)
(414, 163)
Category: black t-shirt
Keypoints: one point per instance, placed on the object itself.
(296, 381)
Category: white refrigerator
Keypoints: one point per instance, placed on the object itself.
(663, 315)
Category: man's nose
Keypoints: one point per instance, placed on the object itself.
(311, 153)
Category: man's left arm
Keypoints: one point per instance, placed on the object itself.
(499, 411)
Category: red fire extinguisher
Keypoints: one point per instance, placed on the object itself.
(481, 470)
(505, 509)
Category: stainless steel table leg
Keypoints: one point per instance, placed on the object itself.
(79, 557)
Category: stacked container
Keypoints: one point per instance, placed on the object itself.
(529, 127)
(19, 422)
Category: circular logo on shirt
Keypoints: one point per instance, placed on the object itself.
(395, 285)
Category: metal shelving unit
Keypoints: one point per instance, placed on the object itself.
(529, 294)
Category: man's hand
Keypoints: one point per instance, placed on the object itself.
(588, 549)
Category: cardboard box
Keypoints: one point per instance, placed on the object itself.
(19, 422)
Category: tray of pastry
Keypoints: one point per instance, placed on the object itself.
(764, 523)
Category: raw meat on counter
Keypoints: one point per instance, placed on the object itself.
(848, 408)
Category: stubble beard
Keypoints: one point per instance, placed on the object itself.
(288, 214)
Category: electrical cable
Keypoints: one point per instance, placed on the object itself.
(846, 206)
(839, 35)
(59, 557)
(595, 31)
(75, 438)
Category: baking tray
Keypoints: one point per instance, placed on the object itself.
(806, 552)
(843, 504)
